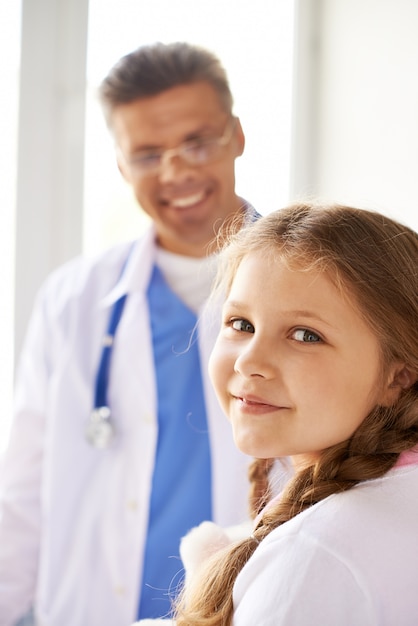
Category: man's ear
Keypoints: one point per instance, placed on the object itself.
(401, 378)
(122, 167)
(239, 138)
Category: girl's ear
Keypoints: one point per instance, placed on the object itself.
(401, 378)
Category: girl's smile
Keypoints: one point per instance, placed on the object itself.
(254, 405)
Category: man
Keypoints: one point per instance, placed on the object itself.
(94, 503)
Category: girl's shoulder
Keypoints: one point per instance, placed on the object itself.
(349, 557)
(377, 508)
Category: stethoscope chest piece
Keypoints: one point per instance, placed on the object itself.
(100, 430)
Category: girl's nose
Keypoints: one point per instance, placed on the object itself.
(255, 359)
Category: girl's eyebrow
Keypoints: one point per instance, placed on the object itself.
(308, 314)
(235, 304)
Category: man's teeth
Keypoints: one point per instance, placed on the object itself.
(188, 200)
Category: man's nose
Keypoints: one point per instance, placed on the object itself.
(173, 167)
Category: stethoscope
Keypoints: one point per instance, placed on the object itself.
(100, 429)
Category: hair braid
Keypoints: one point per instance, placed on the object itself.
(260, 492)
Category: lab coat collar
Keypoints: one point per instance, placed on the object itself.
(136, 268)
(140, 259)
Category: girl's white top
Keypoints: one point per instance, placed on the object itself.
(350, 560)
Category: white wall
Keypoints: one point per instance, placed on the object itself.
(10, 56)
(365, 109)
(50, 145)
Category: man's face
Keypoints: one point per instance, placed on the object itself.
(187, 202)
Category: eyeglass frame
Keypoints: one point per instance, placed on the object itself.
(181, 151)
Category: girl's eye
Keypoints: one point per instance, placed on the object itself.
(242, 326)
(306, 336)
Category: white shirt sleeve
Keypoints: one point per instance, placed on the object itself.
(20, 479)
(293, 581)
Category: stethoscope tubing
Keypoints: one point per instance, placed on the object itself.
(102, 376)
(100, 429)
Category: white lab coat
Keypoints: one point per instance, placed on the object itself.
(74, 518)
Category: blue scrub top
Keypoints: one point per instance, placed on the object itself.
(181, 485)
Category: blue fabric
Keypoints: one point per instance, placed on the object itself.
(27, 620)
(102, 378)
(181, 487)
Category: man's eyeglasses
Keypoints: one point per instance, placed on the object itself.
(199, 151)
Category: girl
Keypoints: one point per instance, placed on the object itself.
(317, 362)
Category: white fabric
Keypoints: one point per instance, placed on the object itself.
(350, 560)
(190, 278)
(155, 622)
(81, 511)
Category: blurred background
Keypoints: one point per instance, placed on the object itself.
(326, 90)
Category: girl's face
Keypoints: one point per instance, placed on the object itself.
(295, 367)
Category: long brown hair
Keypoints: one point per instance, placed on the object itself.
(374, 261)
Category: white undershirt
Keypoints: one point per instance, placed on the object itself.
(190, 278)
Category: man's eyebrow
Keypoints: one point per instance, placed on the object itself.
(206, 129)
